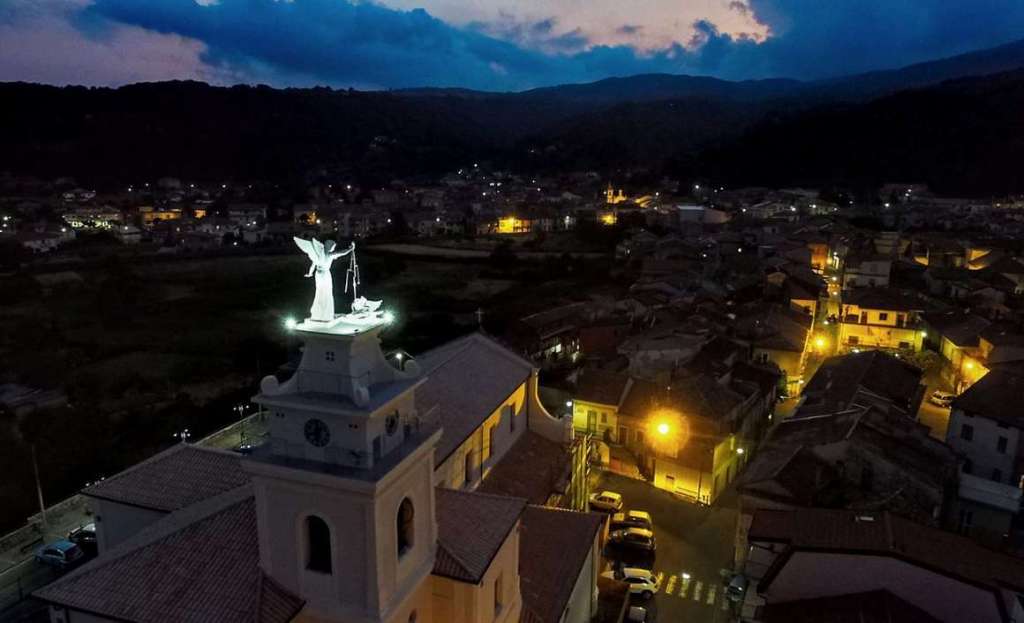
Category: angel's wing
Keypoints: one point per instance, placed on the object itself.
(321, 253)
(306, 246)
(309, 247)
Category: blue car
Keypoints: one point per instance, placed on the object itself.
(61, 554)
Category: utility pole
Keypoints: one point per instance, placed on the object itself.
(39, 486)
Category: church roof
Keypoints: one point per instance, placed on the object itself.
(533, 468)
(173, 479)
(552, 549)
(196, 565)
(471, 528)
(467, 379)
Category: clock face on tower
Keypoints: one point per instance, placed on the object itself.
(317, 433)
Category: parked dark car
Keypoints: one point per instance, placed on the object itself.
(85, 538)
(636, 539)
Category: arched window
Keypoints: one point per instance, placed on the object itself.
(318, 545)
(404, 526)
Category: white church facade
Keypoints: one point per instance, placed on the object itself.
(361, 507)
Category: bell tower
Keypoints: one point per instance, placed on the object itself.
(344, 493)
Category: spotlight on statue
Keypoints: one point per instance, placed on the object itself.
(289, 323)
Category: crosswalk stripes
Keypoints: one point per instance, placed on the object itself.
(679, 585)
(684, 587)
(670, 585)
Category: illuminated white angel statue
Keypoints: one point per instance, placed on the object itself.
(322, 255)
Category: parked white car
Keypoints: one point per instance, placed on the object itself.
(941, 398)
(632, 519)
(641, 581)
(606, 501)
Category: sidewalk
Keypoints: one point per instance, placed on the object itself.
(61, 518)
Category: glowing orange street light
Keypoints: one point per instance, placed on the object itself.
(663, 428)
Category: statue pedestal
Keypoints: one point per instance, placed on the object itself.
(344, 324)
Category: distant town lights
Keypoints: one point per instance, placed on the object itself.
(740, 450)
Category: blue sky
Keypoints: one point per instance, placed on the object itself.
(482, 44)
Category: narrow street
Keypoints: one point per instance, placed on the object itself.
(694, 548)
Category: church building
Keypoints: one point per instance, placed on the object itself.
(364, 505)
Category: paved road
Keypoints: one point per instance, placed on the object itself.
(694, 544)
(935, 418)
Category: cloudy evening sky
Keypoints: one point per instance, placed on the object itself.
(482, 44)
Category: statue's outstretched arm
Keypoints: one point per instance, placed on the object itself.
(351, 248)
(312, 269)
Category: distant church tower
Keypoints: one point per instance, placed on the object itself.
(344, 493)
(611, 198)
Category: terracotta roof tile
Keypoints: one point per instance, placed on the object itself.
(471, 527)
(198, 565)
(553, 546)
(837, 382)
(601, 386)
(533, 469)
(886, 534)
(466, 381)
(870, 607)
(176, 478)
(994, 396)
